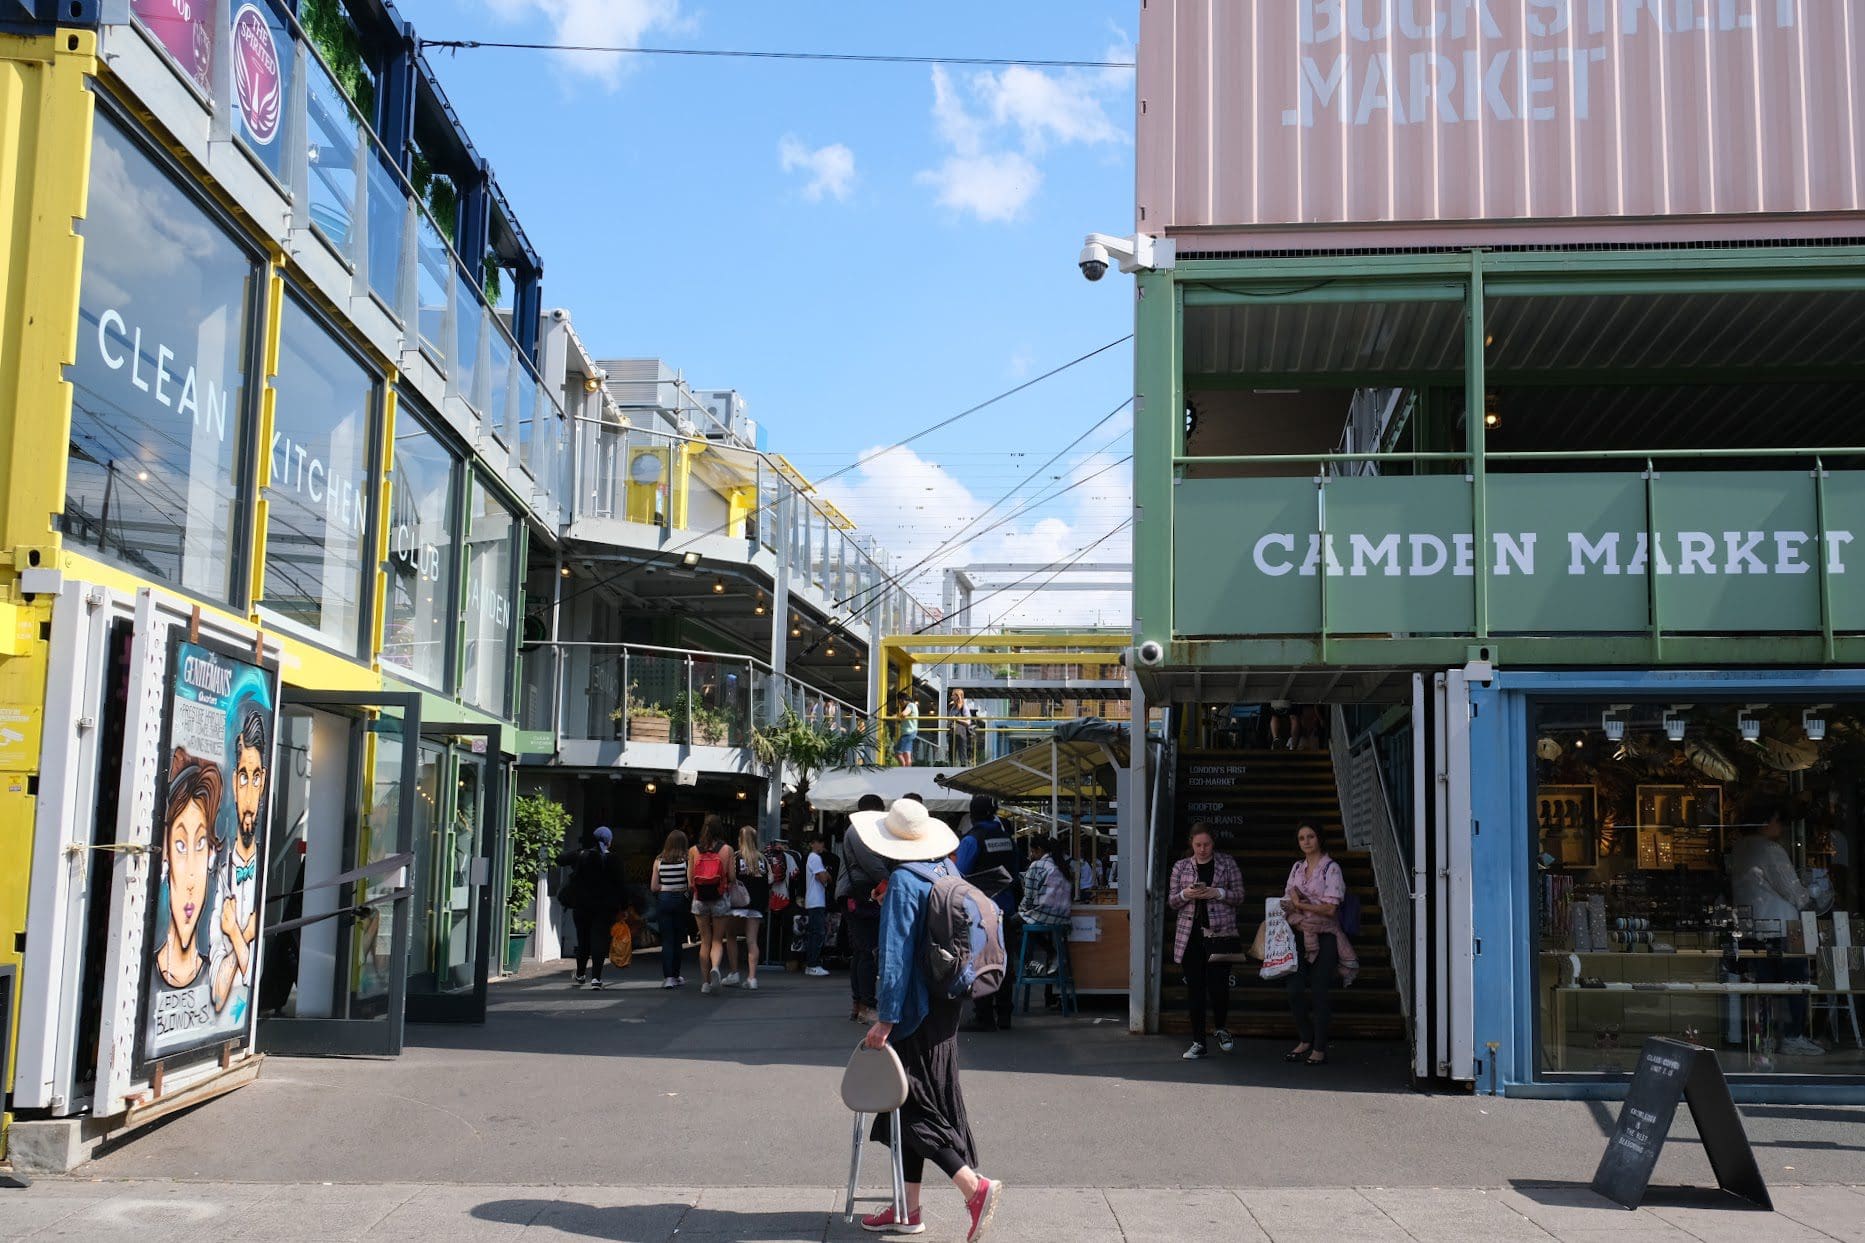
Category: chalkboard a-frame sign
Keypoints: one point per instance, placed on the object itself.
(1668, 1070)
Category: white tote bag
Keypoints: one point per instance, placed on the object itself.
(1278, 941)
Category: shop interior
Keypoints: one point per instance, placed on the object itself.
(1666, 902)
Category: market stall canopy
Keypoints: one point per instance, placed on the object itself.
(1080, 759)
(840, 791)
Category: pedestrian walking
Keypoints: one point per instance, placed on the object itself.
(1311, 903)
(863, 872)
(752, 872)
(594, 895)
(709, 869)
(670, 886)
(817, 887)
(1205, 890)
(989, 845)
(921, 1025)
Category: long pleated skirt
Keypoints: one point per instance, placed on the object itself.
(934, 1118)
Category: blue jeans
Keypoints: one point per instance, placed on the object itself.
(815, 928)
(670, 922)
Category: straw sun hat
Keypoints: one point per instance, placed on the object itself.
(905, 832)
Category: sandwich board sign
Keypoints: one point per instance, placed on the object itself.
(1670, 1070)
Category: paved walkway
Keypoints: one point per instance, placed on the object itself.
(151, 1212)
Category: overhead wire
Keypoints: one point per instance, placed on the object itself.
(866, 58)
(666, 555)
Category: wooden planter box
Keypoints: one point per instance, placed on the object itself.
(649, 729)
(711, 736)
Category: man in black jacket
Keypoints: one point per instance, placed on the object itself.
(862, 870)
(594, 898)
(991, 845)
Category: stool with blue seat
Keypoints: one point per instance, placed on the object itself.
(1063, 978)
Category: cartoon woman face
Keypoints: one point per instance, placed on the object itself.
(189, 851)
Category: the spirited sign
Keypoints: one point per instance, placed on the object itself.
(1562, 554)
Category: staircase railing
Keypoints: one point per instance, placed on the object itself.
(1366, 817)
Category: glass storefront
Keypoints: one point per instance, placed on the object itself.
(167, 311)
(1695, 877)
(324, 477)
(492, 534)
(421, 575)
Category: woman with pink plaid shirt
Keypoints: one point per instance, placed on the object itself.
(1311, 903)
(1206, 889)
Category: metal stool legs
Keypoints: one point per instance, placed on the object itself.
(899, 1172)
(1064, 978)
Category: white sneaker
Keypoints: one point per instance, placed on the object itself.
(715, 979)
(732, 980)
(1800, 1046)
(1194, 1053)
(577, 981)
(1224, 1041)
(704, 988)
(815, 971)
(597, 984)
(752, 984)
(670, 982)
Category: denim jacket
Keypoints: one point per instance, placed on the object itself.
(901, 995)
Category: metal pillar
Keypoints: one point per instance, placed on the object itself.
(783, 513)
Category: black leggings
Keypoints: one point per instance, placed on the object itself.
(913, 1162)
(1205, 979)
(592, 942)
(1309, 987)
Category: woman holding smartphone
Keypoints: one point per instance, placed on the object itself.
(1206, 889)
(1312, 905)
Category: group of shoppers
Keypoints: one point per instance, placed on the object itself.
(727, 891)
(1206, 891)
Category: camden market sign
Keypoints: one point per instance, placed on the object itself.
(1718, 552)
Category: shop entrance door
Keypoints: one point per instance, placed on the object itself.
(333, 978)
(460, 794)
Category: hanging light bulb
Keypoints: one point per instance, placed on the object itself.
(718, 586)
(828, 651)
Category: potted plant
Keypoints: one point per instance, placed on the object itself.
(538, 826)
(700, 725)
(808, 748)
(646, 722)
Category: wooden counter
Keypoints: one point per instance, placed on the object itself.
(1102, 965)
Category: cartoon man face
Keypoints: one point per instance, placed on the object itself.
(249, 777)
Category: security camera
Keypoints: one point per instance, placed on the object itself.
(1099, 250)
(1151, 654)
(560, 314)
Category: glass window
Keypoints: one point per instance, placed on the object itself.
(1694, 877)
(323, 476)
(421, 601)
(491, 562)
(159, 385)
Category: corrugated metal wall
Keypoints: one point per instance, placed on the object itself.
(1376, 112)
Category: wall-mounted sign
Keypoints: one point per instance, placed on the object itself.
(185, 29)
(1719, 551)
(1315, 115)
(258, 81)
(207, 882)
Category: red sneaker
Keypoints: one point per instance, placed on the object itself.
(983, 1204)
(884, 1221)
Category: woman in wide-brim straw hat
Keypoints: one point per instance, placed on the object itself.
(922, 1026)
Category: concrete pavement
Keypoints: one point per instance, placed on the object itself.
(155, 1212)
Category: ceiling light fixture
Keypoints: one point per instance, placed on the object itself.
(796, 632)
(691, 558)
(1675, 725)
(591, 384)
(1748, 723)
(650, 787)
(828, 651)
(564, 570)
(718, 586)
(1814, 723)
(1613, 722)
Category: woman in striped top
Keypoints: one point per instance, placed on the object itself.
(670, 885)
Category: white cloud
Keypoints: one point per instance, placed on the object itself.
(596, 23)
(991, 186)
(911, 504)
(831, 169)
(996, 124)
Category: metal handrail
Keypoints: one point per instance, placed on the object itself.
(693, 654)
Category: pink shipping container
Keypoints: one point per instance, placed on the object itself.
(1280, 124)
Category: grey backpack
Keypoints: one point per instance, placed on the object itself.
(964, 947)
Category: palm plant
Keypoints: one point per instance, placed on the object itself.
(810, 748)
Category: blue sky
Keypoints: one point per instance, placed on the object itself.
(861, 250)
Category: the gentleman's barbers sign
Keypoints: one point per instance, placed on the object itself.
(1563, 554)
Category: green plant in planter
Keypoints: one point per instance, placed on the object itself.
(809, 748)
(538, 828)
(699, 724)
